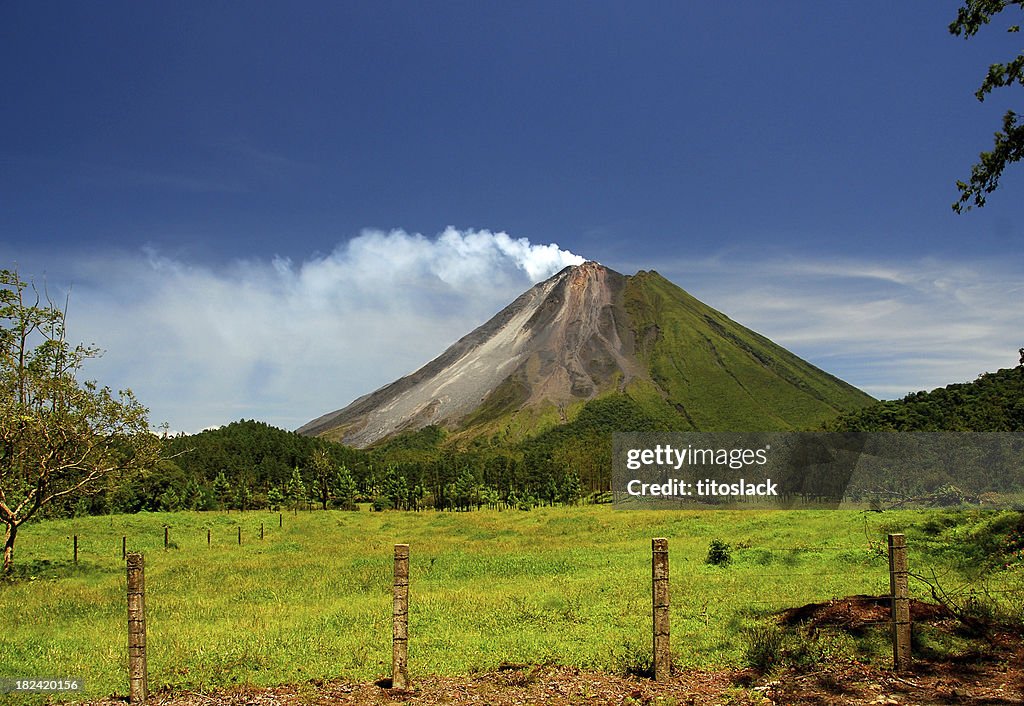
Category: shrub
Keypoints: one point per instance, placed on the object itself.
(719, 553)
(764, 645)
(769, 646)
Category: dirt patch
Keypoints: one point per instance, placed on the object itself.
(982, 685)
(855, 614)
(989, 683)
(989, 672)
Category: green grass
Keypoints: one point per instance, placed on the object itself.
(313, 599)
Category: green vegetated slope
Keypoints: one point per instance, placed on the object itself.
(251, 457)
(247, 465)
(705, 372)
(992, 403)
(721, 376)
(312, 600)
(702, 372)
(699, 371)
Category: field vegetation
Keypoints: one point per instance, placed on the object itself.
(557, 585)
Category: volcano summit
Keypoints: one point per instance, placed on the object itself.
(589, 332)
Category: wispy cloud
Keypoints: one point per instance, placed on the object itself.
(887, 327)
(287, 341)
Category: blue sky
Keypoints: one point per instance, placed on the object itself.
(235, 192)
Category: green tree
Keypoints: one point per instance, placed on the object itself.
(1009, 141)
(464, 491)
(395, 489)
(222, 490)
(275, 498)
(243, 497)
(169, 501)
(295, 490)
(323, 471)
(192, 496)
(571, 490)
(58, 437)
(344, 489)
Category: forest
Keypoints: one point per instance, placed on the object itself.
(250, 465)
(993, 402)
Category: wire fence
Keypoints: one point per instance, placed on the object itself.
(884, 600)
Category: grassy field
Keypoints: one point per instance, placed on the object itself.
(312, 599)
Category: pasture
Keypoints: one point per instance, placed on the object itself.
(312, 599)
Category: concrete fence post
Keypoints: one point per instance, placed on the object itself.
(400, 620)
(899, 574)
(660, 605)
(138, 676)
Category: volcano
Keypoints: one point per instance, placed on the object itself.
(589, 332)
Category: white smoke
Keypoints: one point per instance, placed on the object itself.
(286, 341)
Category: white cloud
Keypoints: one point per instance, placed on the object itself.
(284, 341)
(888, 328)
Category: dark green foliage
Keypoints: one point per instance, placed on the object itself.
(343, 490)
(261, 454)
(770, 646)
(221, 490)
(394, 491)
(250, 465)
(243, 497)
(1008, 146)
(992, 403)
(719, 553)
(763, 646)
(295, 490)
(245, 465)
(977, 541)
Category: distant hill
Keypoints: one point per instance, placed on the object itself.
(248, 451)
(609, 351)
(992, 403)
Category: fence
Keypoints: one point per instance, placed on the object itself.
(898, 598)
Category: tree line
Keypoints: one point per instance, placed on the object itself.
(251, 465)
(994, 402)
